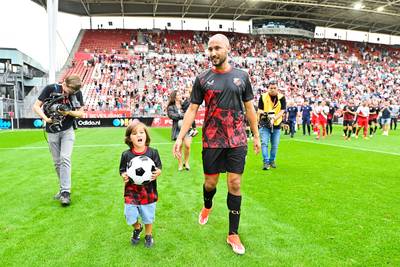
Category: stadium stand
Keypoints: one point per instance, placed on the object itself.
(119, 82)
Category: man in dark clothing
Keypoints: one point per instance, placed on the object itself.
(373, 118)
(331, 113)
(349, 113)
(291, 118)
(185, 105)
(224, 90)
(64, 102)
(305, 116)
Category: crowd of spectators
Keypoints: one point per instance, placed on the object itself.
(304, 69)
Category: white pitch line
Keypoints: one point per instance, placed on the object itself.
(348, 147)
(171, 143)
(84, 146)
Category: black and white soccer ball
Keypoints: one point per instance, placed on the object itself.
(140, 169)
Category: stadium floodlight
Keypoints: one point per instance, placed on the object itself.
(380, 9)
(358, 5)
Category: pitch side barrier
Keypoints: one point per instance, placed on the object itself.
(82, 123)
(7, 124)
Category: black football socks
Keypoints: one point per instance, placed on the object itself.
(208, 196)
(234, 203)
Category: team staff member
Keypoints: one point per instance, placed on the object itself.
(224, 90)
(61, 139)
(291, 117)
(271, 102)
(305, 116)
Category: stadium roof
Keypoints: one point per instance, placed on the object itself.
(382, 16)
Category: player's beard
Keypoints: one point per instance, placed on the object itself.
(218, 61)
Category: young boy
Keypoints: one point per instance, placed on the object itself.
(140, 200)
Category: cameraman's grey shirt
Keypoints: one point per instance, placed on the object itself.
(51, 88)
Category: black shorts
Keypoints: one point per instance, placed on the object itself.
(372, 120)
(348, 123)
(219, 160)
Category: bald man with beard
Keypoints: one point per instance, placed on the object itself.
(225, 91)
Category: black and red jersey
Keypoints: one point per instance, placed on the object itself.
(140, 194)
(347, 116)
(373, 113)
(331, 113)
(223, 93)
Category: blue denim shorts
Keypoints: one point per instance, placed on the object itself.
(146, 212)
(386, 121)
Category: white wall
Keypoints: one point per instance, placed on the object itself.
(356, 36)
(395, 40)
(195, 24)
(379, 38)
(220, 25)
(162, 23)
(337, 34)
(138, 22)
(319, 32)
(103, 22)
(242, 26)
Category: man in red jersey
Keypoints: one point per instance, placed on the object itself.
(362, 118)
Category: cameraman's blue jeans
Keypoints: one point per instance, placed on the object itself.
(61, 145)
(267, 136)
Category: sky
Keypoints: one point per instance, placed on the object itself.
(24, 26)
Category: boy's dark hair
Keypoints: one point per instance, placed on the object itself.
(132, 128)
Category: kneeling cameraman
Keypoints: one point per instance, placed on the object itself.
(58, 105)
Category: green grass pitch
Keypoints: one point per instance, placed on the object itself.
(329, 203)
